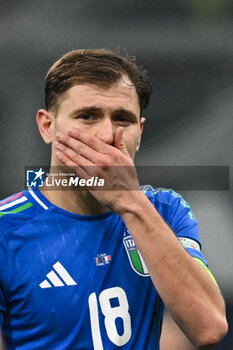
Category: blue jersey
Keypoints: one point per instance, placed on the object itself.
(72, 281)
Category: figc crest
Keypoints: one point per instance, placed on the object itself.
(135, 258)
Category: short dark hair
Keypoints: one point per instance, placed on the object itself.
(100, 67)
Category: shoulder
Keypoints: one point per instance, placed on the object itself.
(15, 211)
(179, 216)
(169, 203)
(163, 195)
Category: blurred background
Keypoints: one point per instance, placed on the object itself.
(187, 47)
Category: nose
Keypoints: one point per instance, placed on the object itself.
(105, 131)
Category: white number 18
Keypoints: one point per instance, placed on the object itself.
(111, 314)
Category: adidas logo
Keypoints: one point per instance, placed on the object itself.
(55, 280)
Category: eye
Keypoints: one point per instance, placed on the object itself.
(86, 116)
(123, 120)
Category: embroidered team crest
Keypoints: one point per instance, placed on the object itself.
(135, 258)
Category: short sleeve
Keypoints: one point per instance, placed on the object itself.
(179, 216)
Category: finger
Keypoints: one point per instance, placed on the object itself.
(77, 159)
(79, 171)
(91, 141)
(69, 164)
(78, 147)
(119, 142)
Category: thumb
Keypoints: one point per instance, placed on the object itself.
(118, 140)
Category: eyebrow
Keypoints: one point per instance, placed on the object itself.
(96, 109)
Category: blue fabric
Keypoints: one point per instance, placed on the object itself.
(105, 285)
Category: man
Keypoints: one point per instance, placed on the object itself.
(71, 275)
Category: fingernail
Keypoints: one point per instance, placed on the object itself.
(71, 132)
(60, 136)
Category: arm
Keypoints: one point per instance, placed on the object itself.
(172, 337)
(186, 289)
(188, 292)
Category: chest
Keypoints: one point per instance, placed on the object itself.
(55, 270)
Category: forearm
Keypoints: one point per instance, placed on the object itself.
(184, 286)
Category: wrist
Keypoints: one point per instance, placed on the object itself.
(133, 204)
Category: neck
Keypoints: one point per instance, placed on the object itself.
(74, 200)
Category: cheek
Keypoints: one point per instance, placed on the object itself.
(131, 142)
(62, 125)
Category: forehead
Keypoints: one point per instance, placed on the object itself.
(121, 95)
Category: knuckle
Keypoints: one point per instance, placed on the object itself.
(76, 157)
(80, 148)
(104, 163)
(91, 142)
(98, 171)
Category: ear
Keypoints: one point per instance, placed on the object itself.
(45, 122)
(142, 122)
